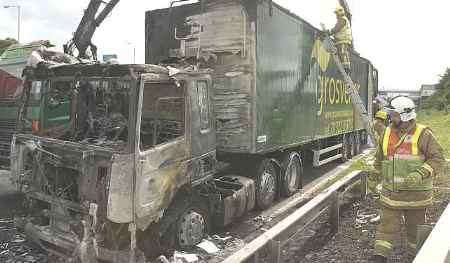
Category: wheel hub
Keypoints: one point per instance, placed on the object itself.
(292, 179)
(191, 229)
(268, 184)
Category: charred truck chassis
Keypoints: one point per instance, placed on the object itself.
(106, 195)
(137, 166)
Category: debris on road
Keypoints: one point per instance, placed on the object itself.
(182, 257)
(260, 221)
(364, 217)
(208, 246)
(222, 239)
(375, 219)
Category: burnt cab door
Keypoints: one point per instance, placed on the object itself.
(201, 128)
(175, 147)
(162, 144)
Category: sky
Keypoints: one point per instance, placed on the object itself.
(408, 41)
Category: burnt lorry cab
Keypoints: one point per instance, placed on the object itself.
(138, 139)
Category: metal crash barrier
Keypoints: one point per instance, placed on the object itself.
(277, 236)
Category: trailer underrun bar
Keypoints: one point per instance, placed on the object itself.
(277, 236)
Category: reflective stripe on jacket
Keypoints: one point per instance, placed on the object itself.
(402, 185)
(344, 36)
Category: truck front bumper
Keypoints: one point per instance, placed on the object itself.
(68, 245)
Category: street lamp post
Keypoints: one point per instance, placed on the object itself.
(134, 51)
(18, 19)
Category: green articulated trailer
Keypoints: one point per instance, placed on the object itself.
(276, 88)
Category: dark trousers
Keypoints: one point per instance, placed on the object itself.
(389, 229)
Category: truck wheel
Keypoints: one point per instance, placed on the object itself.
(193, 225)
(352, 143)
(357, 143)
(292, 170)
(363, 137)
(346, 148)
(266, 184)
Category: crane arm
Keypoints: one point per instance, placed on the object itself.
(346, 7)
(83, 36)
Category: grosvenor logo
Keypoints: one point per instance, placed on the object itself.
(332, 90)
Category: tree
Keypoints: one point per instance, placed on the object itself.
(444, 82)
(5, 43)
(440, 99)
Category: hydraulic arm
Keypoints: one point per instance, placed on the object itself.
(92, 19)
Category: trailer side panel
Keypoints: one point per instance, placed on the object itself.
(275, 85)
(300, 93)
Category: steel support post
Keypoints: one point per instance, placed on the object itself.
(364, 184)
(275, 251)
(334, 211)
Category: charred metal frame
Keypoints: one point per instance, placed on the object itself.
(179, 160)
(183, 162)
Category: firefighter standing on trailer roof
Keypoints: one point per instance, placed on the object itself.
(407, 159)
(342, 33)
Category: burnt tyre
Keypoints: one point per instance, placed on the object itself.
(346, 148)
(363, 137)
(192, 226)
(357, 143)
(292, 170)
(266, 184)
(351, 141)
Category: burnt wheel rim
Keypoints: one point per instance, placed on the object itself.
(345, 149)
(191, 229)
(357, 144)
(292, 175)
(267, 186)
(352, 146)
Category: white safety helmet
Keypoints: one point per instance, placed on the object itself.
(404, 106)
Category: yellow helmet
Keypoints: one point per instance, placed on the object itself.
(339, 11)
(381, 115)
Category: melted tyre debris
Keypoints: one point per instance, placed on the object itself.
(225, 243)
(14, 246)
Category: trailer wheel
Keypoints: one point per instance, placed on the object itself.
(363, 137)
(266, 184)
(292, 171)
(193, 225)
(357, 143)
(346, 148)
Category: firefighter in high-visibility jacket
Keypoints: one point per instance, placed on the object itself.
(407, 159)
(342, 33)
(381, 122)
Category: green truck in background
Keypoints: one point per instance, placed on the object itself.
(41, 113)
